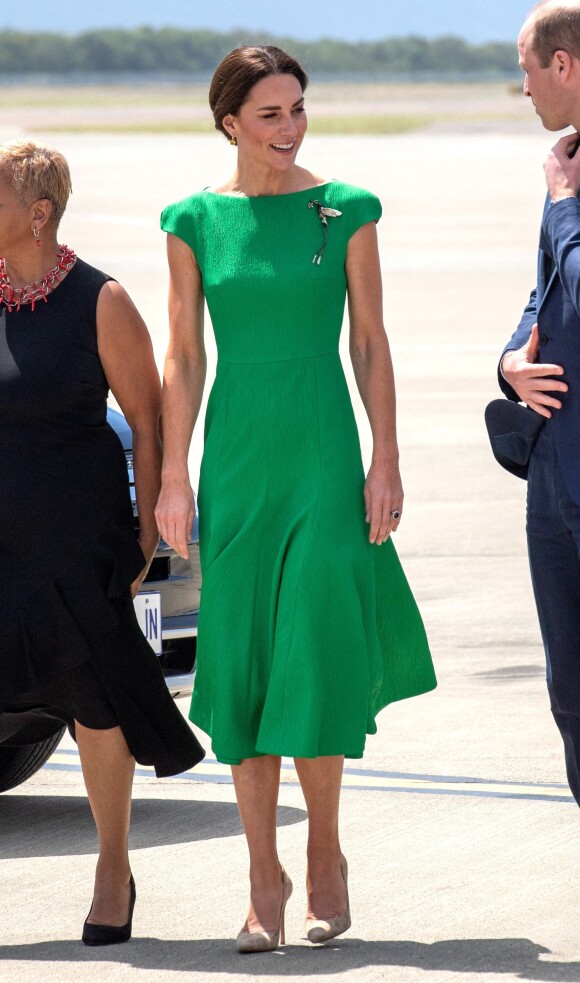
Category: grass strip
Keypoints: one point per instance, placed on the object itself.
(340, 125)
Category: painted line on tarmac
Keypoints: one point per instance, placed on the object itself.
(356, 779)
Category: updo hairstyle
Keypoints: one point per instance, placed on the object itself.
(238, 73)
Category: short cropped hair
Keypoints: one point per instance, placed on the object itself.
(35, 171)
(240, 70)
(555, 27)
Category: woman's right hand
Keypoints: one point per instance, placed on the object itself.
(174, 514)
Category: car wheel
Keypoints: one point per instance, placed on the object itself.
(17, 764)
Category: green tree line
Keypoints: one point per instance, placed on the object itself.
(171, 50)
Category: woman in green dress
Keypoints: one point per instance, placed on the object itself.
(307, 624)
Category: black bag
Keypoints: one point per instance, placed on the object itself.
(513, 430)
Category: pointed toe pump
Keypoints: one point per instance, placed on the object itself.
(322, 930)
(110, 934)
(267, 941)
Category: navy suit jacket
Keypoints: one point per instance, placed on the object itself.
(555, 306)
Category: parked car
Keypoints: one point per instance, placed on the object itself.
(167, 607)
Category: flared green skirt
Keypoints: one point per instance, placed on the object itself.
(306, 630)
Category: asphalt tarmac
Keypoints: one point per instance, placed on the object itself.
(461, 834)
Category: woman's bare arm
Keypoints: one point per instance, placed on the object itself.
(126, 354)
(373, 369)
(183, 382)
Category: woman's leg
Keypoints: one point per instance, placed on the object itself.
(108, 768)
(257, 781)
(320, 779)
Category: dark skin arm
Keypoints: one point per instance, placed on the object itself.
(126, 354)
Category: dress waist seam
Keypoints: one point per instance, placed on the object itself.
(277, 361)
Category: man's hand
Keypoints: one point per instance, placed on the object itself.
(563, 170)
(533, 382)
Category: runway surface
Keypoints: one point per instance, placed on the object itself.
(464, 867)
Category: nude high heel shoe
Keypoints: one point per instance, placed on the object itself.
(321, 930)
(267, 941)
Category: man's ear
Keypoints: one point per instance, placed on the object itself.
(563, 63)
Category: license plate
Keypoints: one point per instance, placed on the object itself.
(148, 611)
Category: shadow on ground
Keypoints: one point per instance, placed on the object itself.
(518, 957)
(58, 825)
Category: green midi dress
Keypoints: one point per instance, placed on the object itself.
(306, 630)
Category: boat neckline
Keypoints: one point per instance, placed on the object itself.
(285, 194)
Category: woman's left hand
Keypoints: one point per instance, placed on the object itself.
(383, 493)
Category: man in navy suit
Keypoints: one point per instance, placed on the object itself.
(540, 365)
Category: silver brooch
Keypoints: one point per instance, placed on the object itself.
(324, 214)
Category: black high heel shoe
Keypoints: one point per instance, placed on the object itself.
(110, 934)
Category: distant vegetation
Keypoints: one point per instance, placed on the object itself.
(147, 50)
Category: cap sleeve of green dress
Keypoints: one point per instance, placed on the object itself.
(357, 205)
(184, 219)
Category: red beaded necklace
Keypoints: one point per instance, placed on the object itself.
(17, 297)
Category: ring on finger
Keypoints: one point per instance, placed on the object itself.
(395, 514)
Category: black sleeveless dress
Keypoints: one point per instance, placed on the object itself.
(69, 638)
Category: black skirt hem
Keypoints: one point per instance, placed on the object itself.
(120, 683)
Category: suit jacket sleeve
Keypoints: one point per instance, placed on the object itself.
(561, 228)
(517, 340)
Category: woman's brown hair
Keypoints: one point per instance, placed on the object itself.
(238, 73)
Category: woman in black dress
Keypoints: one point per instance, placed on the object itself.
(69, 560)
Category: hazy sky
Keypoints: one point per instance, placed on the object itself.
(475, 20)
